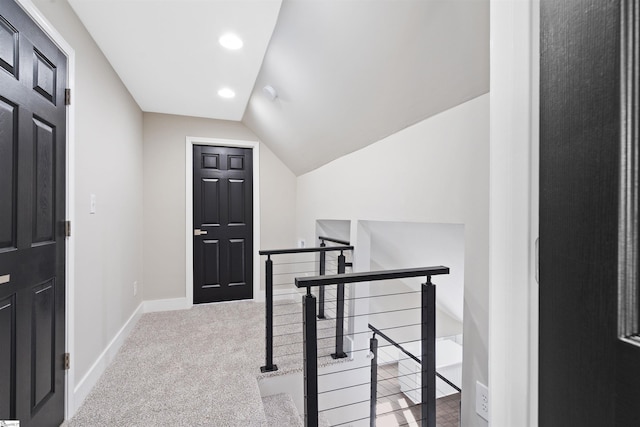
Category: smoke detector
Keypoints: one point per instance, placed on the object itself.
(270, 92)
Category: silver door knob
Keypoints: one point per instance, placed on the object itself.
(198, 232)
(5, 279)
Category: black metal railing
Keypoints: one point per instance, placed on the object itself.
(289, 268)
(342, 264)
(427, 347)
(413, 385)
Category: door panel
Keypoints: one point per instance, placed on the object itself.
(211, 263)
(236, 202)
(8, 47)
(32, 212)
(588, 375)
(44, 76)
(8, 157)
(223, 211)
(237, 268)
(8, 357)
(43, 182)
(210, 202)
(42, 339)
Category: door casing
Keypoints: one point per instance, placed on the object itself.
(255, 147)
(513, 216)
(66, 48)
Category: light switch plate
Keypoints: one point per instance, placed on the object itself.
(92, 204)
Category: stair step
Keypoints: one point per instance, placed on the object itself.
(281, 411)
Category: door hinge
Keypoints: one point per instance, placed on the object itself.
(67, 97)
(67, 229)
(67, 361)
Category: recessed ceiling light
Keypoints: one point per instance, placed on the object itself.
(225, 92)
(230, 41)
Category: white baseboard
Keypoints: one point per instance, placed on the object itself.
(155, 305)
(90, 379)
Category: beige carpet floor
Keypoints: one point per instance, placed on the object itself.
(194, 367)
(200, 367)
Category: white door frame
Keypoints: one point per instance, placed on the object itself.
(66, 48)
(513, 228)
(255, 147)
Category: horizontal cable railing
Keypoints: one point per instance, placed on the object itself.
(340, 268)
(283, 327)
(343, 392)
(409, 354)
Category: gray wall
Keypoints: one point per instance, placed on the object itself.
(108, 161)
(164, 197)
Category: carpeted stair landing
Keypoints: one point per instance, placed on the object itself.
(196, 367)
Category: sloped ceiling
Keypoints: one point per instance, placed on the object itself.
(347, 72)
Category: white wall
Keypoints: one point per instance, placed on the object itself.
(108, 163)
(436, 171)
(411, 244)
(164, 197)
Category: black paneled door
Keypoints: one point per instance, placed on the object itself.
(32, 211)
(589, 307)
(223, 224)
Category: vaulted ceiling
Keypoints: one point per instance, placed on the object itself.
(346, 72)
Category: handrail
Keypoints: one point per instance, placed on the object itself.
(334, 240)
(341, 268)
(269, 366)
(304, 250)
(408, 353)
(427, 338)
(370, 276)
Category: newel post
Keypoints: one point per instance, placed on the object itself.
(268, 363)
(310, 355)
(428, 354)
(340, 354)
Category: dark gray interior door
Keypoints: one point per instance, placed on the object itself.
(589, 369)
(223, 222)
(32, 212)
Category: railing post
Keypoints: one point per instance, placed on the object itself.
(340, 354)
(428, 359)
(373, 348)
(268, 363)
(323, 264)
(310, 351)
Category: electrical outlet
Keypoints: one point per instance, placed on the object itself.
(135, 288)
(482, 400)
(301, 243)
